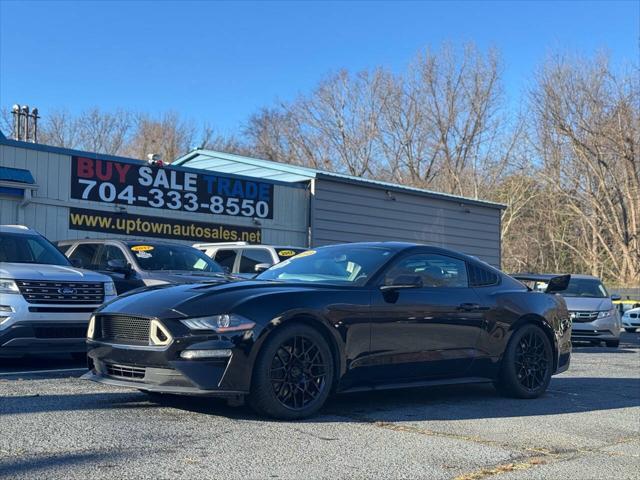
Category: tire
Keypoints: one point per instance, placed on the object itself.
(526, 374)
(630, 330)
(290, 387)
(613, 343)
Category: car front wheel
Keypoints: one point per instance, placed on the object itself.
(293, 373)
(613, 343)
(527, 364)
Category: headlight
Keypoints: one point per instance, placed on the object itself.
(606, 313)
(109, 289)
(8, 286)
(220, 323)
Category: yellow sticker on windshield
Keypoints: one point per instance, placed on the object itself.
(286, 253)
(141, 248)
(306, 254)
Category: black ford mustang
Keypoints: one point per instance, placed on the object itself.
(338, 318)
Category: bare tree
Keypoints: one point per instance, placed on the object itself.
(105, 132)
(588, 135)
(168, 136)
(60, 128)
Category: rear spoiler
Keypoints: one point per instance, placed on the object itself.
(555, 283)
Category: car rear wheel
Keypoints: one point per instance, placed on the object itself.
(527, 364)
(630, 330)
(613, 343)
(293, 374)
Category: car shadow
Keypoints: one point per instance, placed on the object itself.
(457, 402)
(43, 466)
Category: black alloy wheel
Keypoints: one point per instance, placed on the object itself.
(531, 362)
(298, 372)
(527, 364)
(293, 374)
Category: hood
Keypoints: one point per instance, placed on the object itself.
(39, 271)
(191, 299)
(588, 303)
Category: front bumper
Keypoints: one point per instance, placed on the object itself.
(161, 369)
(628, 322)
(43, 329)
(43, 338)
(598, 330)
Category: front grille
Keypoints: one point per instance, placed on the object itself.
(124, 371)
(633, 315)
(123, 329)
(60, 332)
(583, 316)
(71, 293)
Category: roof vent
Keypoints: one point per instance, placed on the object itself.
(25, 123)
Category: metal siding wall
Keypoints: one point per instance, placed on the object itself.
(345, 212)
(48, 212)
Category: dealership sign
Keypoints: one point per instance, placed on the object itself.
(159, 227)
(167, 188)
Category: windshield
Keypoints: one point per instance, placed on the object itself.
(585, 287)
(340, 264)
(19, 248)
(173, 257)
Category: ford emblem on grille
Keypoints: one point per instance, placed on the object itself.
(66, 291)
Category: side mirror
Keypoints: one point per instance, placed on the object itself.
(118, 266)
(404, 281)
(261, 267)
(76, 262)
(616, 297)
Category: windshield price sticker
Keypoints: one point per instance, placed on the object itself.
(167, 188)
(141, 248)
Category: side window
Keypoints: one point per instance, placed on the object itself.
(109, 252)
(434, 270)
(483, 277)
(85, 253)
(225, 258)
(253, 256)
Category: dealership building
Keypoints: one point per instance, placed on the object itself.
(208, 196)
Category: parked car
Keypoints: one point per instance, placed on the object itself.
(338, 318)
(594, 316)
(45, 303)
(631, 320)
(625, 305)
(134, 264)
(246, 260)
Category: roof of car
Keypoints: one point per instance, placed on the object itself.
(124, 242)
(17, 229)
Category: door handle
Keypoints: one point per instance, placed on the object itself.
(468, 307)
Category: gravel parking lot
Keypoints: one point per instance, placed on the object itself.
(587, 426)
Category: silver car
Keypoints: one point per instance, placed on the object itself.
(595, 318)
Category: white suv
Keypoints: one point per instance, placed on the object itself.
(45, 303)
(245, 259)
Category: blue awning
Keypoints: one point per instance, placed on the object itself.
(19, 175)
